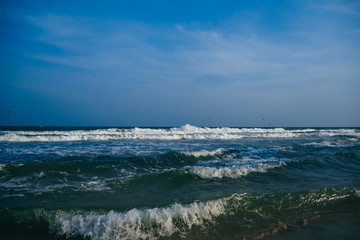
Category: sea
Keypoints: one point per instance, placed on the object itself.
(183, 182)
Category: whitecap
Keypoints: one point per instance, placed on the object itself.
(204, 153)
(185, 132)
(139, 223)
(229, 172)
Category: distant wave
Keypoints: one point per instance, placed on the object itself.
(184, 132)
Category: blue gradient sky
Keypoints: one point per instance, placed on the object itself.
(168, 63)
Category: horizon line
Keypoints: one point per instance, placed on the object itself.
(175, 126)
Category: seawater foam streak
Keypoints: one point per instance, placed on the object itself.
(184, 132)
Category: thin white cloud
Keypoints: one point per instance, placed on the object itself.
(176, 53)
(343, 7)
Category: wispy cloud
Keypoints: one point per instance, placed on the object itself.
(339, 6)
(177, 53)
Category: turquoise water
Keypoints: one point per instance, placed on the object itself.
(176, 183)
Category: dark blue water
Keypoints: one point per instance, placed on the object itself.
(175, 183)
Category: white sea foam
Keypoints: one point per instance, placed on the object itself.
(139, 224)
(334, 132)
(155, 223)
(184, 132)
(204, 153)
(229, 172)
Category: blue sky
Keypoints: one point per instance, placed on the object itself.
(168, 63)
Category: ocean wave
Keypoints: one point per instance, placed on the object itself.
(117, 149)
(229, 172)
(335, 143)
(35, 184)
(138, 224)
(43, 178)
(184, 132)
(204, 153)
(241, 212)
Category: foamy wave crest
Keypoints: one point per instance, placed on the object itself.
(184, 132)
(178, 220)
(139, 224)
(229, 172)
(204, 153)
(58, 136)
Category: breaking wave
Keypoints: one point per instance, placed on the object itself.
(184, 132)
(241, 210)
(230, 172)
(138, 224)
(204, 153)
